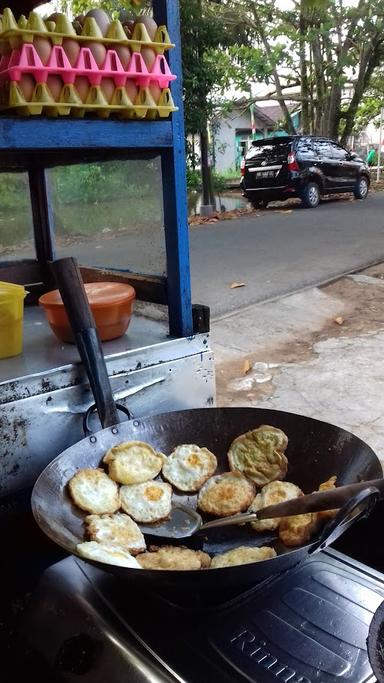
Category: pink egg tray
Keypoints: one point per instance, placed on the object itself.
(26, 61)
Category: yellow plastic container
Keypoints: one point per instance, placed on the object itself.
(11, 319)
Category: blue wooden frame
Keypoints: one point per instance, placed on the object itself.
(28, 136)
(175, 187)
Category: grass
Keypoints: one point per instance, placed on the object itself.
(83, 221)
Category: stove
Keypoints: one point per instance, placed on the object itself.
(309, 625)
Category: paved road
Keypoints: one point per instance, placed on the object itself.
(278, 252)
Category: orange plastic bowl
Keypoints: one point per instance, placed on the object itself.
(111, 304)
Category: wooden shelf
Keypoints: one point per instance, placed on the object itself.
(66, 134)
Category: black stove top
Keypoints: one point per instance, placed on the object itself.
(307, 626)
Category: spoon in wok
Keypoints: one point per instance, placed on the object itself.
(184, 521)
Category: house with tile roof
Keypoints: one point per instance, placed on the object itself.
(234, 130)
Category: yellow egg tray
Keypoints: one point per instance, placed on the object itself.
(24, 30)
(70, 103)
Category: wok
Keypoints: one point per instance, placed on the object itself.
(316, 451)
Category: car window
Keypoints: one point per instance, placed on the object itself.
(338, 152)
(272, 153)
(323, 148)
(305, 149)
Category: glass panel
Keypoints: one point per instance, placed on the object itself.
(305, 149)
(323, 148)
(110, 214)
(16, 227)
(275, 152)
(339, 153)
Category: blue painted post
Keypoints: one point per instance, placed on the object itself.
(175, 187)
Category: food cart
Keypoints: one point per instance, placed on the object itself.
(307, 622)
(157, 366)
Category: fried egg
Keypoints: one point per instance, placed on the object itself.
(226, 494)
(242, 555)
(117, 530)
(133, 462)
(297, 529)
(271, 494)
(147, 502)
(327, 486)
(189, 466)
(174, 558)
(259, 454)
(93, 491)
(109, 554)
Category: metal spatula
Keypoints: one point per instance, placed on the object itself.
(185, 522)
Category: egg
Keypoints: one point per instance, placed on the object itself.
(102, 19)
(43, 48)
(147, 502)
(133, 462)
(155, 91)
(107, 87)
(54, 17)
(131, 90)
(82, 87)
(99, 52)
(107, 553)
(149, 57)
(124, 54)
(189, 466)
(126, 16)
(149, 24)
(55, 85)
(117, 529)
(27, 86)
(5, 48)
(71, 48)
(80, 19)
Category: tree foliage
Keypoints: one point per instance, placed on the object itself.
(323, 56)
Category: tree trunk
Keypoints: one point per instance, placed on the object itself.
(305, 121)
(193, 152)
(319, 128)
(206, 176)
(368, 62)
(279, 91)
(334, 108)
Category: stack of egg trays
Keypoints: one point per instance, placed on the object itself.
(23, 59)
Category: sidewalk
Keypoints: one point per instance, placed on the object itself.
(318, 353)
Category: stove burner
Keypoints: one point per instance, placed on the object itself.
(307, 626)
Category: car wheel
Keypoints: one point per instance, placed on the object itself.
(361, 189)
(310, 196)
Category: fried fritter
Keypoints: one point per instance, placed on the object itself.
(174, 558)
(298, 529)
(226, 494)
(147, 502)
(117, 530)
(271, 494)
(189, 466)
(133, 462)
(259, 454)
(109, 554)
(327, 486)
(93, 491)
(242, 555)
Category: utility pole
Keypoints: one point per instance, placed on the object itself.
(380, 142)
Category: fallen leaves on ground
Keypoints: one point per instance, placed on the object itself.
(235, 285)
(246, 366)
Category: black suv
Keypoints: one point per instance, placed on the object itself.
(300, 166)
